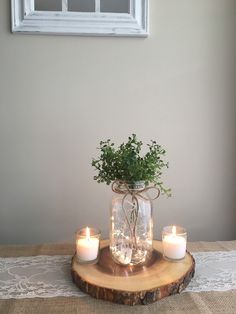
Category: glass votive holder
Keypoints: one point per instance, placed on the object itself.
(174, 240)
(87, 245)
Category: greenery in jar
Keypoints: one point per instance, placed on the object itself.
(125, 163)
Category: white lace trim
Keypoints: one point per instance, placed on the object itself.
(215, 271)
(49, 276)
(36, 276)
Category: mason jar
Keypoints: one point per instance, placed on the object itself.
(131, 223)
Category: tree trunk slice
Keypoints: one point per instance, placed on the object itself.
(133, 285)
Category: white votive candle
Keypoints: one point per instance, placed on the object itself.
(174, 242)
(87, 244)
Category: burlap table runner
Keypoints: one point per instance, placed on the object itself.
(204, 302)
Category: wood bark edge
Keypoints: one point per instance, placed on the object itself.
(143, 297)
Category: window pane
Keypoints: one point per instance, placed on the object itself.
(116, 6)
(81, 5)
(48, 5)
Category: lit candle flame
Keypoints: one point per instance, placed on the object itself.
(87, 233)
(174, 231)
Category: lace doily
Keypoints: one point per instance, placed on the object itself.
(49, 276)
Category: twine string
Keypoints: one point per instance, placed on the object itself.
(134, 192)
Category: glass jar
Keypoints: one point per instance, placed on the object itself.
(174, 239)
(131, 224)
(87, 245)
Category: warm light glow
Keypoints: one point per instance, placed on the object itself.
(174, 231)
(87, 233)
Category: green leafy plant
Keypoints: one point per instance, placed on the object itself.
(125, 163)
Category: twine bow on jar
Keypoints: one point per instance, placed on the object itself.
(134, 189)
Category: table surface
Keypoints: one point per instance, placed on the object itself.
(202, 302)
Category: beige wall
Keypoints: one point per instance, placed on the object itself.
(60, 95)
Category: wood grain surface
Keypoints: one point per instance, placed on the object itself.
(132, 285)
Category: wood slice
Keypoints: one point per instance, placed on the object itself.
(132, 285)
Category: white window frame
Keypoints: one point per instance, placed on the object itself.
(25, 19)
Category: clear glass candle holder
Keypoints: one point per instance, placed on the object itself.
(87, 245)
(174, 240)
